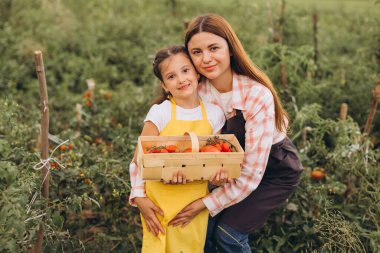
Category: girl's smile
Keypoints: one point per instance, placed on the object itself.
(184, 87)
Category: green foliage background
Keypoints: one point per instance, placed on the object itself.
(112, 42)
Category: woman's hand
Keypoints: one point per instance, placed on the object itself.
(188, 213)
(148, 210)
(178, 177)
(220, 178)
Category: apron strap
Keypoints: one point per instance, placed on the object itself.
(174, 113)
(204, 114)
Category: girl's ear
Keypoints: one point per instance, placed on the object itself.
(163, 86)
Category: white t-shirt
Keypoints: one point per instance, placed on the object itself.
(224, 100)
(161, 114)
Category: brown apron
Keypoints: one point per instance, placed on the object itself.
(280, 179)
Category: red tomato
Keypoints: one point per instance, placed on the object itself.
(108, 95)
(209, 148)
(63, 148)
(98, 140)
(218, 146)
(226, 147)
(317, 174)
(71, 146)
(87, 94)
(188, 150)
(164, 151)
(172, 149)
(54, 165)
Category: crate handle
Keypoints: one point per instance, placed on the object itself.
(194, 142)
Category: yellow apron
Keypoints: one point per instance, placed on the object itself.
(173, 198)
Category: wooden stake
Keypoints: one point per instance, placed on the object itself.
(270, 21)
(78, 117)
(371, 116)
(281, 21)
(343, 111)
(284, 83)
(315, 38)
(173, 4)
(186, 23)
(278, 39)
(343, 80)
(276, 30)
(304, 136)
(44, 138)
(91, 94)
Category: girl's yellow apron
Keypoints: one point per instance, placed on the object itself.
(173, 198)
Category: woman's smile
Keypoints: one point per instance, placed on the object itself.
(210, 68)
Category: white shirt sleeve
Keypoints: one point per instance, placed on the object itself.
(159, 115)
(216, 117)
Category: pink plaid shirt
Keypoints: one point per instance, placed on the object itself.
(257, 105)
(137, 184)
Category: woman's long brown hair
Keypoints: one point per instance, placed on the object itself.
(240, 62)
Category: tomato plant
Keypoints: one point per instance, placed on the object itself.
(87, 210)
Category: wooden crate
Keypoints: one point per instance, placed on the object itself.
(196, 165)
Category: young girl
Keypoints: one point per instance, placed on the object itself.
(179, 110)
(271, 168)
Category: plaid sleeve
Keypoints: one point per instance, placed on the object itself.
(137, 184)
(260, 125)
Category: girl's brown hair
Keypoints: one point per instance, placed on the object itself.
(160, 56)
(240, 62)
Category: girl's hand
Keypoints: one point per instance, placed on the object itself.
(220, 178)
(148, 210)
(188, 213)
(178, 177)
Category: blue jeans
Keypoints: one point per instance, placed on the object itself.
(225, 238)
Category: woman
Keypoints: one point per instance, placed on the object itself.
(271, 168)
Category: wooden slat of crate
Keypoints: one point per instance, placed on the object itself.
(191, 172)
(194, 160)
